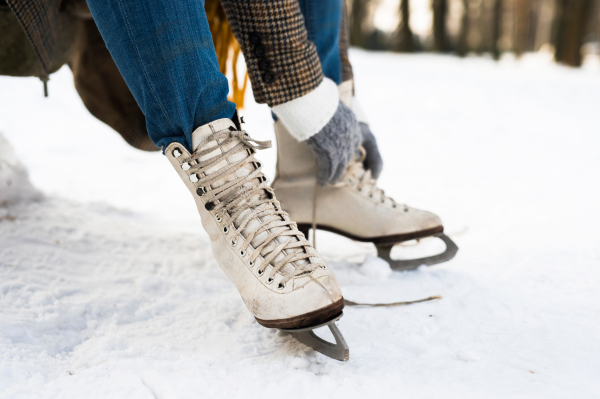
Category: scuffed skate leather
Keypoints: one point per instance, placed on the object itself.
(353, 207)
(279, 275)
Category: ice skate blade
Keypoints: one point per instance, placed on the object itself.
(384, 250)
(337, 351)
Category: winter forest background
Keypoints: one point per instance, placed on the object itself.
(568, 29)
(108, 286)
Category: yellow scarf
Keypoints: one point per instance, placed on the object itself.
(228, 49)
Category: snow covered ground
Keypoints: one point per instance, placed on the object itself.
(108, 287)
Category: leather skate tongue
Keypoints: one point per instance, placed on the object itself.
(200, 135)
(206, 130)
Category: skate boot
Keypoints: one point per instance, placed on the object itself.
(354, 207)
(279, 275)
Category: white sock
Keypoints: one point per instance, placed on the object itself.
(358, 111)
(346, 90)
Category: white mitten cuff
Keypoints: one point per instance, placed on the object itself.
(305, 116)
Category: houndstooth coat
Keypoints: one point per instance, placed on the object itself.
(282, 63)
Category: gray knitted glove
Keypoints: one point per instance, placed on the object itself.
(336, 144)
(373, 160)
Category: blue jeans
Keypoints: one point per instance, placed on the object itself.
(164, 51)
(322, 19)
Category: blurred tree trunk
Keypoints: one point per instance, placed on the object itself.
(440, 37)
(522, 19)
(462, 46)
(405, 43)
(486, 26)
(496, 28)
(598, 28)
(358, 15)
(572, 21)
(543, 31)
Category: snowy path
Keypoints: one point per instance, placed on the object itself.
(108, 287)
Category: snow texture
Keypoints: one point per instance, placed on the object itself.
(108, 287)
(14, 179)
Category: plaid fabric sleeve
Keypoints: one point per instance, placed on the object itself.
(281, 62)
(39, 19)
(345, 44)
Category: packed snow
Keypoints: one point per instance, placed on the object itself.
(108, 287)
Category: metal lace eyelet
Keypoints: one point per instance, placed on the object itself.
(270, 280)
(323, 266)
(260, 272)
(370, 195)
(176, 153)
(251, 263)
(225, 229)
(242, 252)
(218, 218)
(233, 243)
(350, 181)
(200, 191)
(185, 166)
(194, 178)
(394, 206)
(281, 286)
(359, 189)
(383, 201)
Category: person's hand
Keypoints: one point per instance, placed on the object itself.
(373, 160)
(336, 144)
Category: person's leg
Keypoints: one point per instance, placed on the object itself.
(334, 205)
(164, 51)
(322, 19)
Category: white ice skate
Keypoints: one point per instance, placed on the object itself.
(354, 207)
(280, 276)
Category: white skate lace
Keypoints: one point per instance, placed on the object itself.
(355, 174)
(238, 200)
(365, 183)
